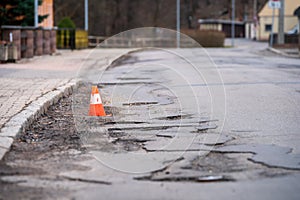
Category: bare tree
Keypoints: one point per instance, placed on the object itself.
(109, 17)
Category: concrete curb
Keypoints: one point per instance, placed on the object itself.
(28, 115)
(281, 53)
(35, 109)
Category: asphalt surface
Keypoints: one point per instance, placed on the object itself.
(186, 123)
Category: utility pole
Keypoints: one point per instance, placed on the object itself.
(178, 23)
(86, 15)
(272, 29)
(254, 9)
(232, 22)
(36, 13)
(281, 24)
(255, 18)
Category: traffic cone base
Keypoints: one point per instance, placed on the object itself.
(96, 107)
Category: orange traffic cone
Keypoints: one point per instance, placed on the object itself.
(96, 107)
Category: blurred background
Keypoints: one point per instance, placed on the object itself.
(109, 17)
(86, 23)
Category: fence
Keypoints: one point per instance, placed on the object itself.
(72, 39)
(290, 40)
(26, 42)
(139, 41)
(95, 41)
(66, 39)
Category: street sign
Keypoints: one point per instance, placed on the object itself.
(274, 4)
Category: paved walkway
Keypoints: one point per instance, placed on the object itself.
(17, 93)
(255, 46)
(25, 81)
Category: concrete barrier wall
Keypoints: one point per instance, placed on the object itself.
(46, 41)
(38, 40)
(27, 43)
(53, 41)
(30, 41)
(81, 39)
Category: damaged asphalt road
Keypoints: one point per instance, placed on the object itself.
(165, 134)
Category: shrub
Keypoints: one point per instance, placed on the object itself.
(64, 37)
(207, 38)
(66, 22)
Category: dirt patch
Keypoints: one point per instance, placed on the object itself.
(53, 132)
(49, 146)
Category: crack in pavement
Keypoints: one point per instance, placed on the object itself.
(268, 155)
(84, 180)
(201, 179)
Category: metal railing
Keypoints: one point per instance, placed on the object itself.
(291, 40)
(66, 38)
(137, 42)
(71, 39)
(95, 41)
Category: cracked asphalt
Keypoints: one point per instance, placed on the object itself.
(182, 125)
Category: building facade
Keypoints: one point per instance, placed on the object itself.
(265, 19)
(222, 25)
(47, 9)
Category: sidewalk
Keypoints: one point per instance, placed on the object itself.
(30, 86)
(290, 52)
(257, 46)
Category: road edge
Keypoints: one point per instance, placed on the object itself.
(276, 51)
(35, 109)
(30, 113)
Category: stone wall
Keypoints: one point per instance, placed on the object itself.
(29, 41)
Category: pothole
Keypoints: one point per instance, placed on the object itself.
(123, 122)
(202, 179)
(126, 83)
(215, 163)
(129, 144)
(175, 117)
(140, 103)
(132, 78)
(214, 167)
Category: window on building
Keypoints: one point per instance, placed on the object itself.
(268, 27)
